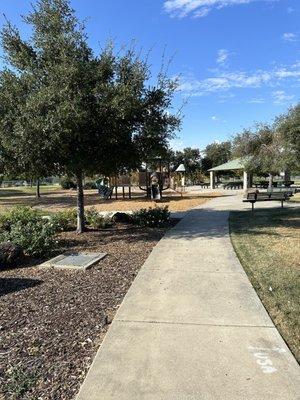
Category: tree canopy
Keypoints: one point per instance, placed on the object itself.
(191, 158)
(270, 149)
(288, 130)
(66, 110)
(215, 154)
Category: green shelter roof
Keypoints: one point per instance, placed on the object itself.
(238, 163)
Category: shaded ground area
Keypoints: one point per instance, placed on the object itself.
(52, 322)
(267, 243)
(57, 199)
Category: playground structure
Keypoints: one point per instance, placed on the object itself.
(153, 179)
(154, 183)
(122, 182)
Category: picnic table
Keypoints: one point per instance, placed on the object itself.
(204, 184)
(233, 185)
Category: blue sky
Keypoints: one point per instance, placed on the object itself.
(238, 60)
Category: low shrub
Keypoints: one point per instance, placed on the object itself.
(19, 381)
(10, 253)
(96, 220)
(21, 215)
(67, 183)
(27, 228)
(122, 217)
(63, 221)
(152, 217)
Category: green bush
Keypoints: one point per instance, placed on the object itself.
(28, 229)
(19, 214)
(19, 381)
(153, 217)
(10, 254)
(63, 221)
(97, 221)
(122, 217)
(67, 183)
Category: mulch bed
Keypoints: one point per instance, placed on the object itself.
(53, 321)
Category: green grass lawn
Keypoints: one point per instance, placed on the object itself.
(26, 190)
(267, 243)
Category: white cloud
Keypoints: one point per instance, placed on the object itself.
(280, 97)
(222, 56)
(224, 81)
(256, 100)
(217, 119)
(202, 12)
(290, 37)
(200, 8)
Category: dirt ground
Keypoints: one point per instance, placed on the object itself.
(53, 321)
(57, 200)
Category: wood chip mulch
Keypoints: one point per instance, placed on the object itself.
(53, 321)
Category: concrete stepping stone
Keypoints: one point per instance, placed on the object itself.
(79, 261)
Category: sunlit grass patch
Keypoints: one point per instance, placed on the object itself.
(267, 243)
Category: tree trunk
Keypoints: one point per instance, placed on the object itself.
(250, 180)
(287, 176)
(80, 204)
(38, 191)
(270, 180)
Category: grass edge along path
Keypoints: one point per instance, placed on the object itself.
(267, 244)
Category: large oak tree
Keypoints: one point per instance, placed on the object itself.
(67, 110)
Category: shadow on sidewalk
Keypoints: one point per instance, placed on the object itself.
(206, 223)
(211, 223)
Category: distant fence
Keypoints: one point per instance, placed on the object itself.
(24, 183)
(5, 184)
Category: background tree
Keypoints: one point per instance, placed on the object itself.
(216, 154)
(84, 114)
(27, 156)
(261, 150)
(191, 158)
(22, 123)
(287, 128)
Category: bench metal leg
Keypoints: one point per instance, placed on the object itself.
(252, 206)
(281, 203)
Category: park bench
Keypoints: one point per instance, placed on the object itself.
(253, 197)
(288, 191)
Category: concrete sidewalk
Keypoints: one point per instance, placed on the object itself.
(191, 326)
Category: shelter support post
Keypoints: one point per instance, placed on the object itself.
(245, 181)
(212, 179)
(183, 180)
